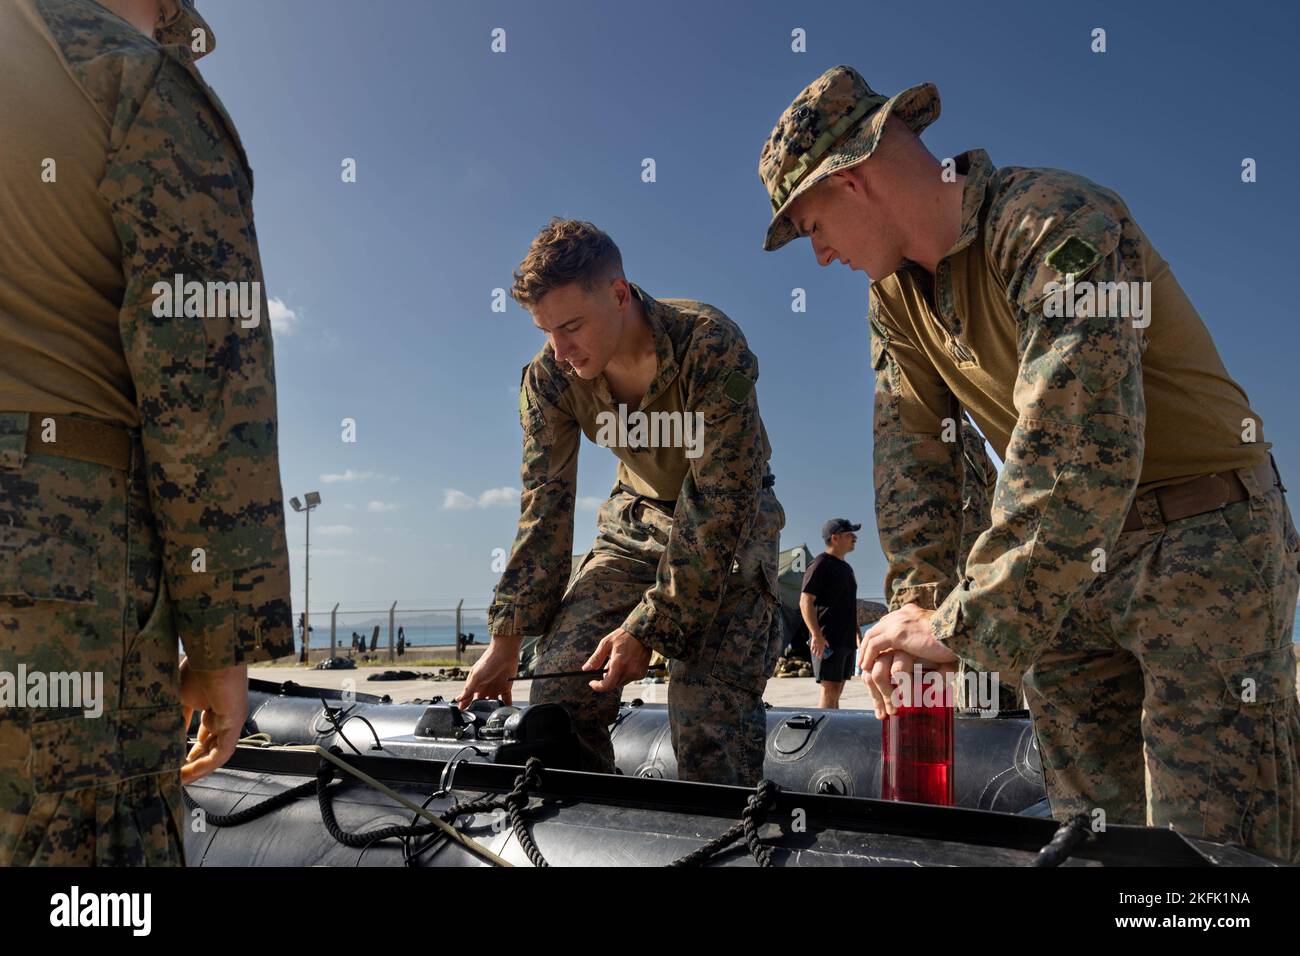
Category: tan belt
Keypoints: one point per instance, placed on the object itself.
(80, 439)
(1200, 495)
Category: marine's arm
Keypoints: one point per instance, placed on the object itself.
(530, 589)
(1075, 457)
(537, 572)
(916, 473)
(719, 499)
(205, 384)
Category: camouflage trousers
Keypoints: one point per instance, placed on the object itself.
(715, 695)
(1168, 698)
(80, 594)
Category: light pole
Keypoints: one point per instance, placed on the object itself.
(313, 499)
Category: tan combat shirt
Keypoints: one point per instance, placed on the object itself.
(1086, 409)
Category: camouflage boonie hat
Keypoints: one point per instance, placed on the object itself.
(835, 123)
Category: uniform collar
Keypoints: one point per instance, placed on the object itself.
(658, 315)
(978, 169)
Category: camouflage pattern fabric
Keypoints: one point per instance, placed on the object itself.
(979, 476)
(704, 367)
(81, 591)
(670, 580)
(98, 567)
(1183, 648)
(834, 124)
(715, 704)
(180, 191)
(1139, 639)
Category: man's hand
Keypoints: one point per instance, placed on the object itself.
(628, 658)
(894, 644)
(222, 696)
(492, 673)
(816, 645)
(880, 680)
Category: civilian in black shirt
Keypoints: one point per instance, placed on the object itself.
(829, 604)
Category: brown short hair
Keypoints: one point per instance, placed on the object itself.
(566, 250)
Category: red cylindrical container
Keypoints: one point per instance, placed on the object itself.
(916, 744)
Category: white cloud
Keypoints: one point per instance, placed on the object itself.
(381, 506)
(497, 497)
(350, 475)
(587, 503)
(457, 500)
(334, 530)
(283, 319)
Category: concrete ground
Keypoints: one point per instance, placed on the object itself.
(781, 692)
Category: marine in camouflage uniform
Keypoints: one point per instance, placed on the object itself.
(1139, 575)
(128, 441)
(979, 475)
(688, 570)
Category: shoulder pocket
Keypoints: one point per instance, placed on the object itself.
(1071, 249)
(1262, 678)
(44, 567)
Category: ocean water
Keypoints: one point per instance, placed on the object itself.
(428, 635)
(444, 635)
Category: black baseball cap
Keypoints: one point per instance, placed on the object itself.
(837, 526)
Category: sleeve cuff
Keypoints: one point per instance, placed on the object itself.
(517, 618)
(975, 643)
(928, 596)
(231, 619)
(656, 630)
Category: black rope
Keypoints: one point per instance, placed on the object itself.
(516, 802)
(333, 718)
(1067, 837)
(760, 802)
(255, 811)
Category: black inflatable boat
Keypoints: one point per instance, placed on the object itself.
(328, 779)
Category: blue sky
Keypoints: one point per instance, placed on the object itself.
(462, 154)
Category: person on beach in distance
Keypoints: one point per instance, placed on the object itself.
(829, 605)
(685, 556)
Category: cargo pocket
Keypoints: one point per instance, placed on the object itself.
(746, 648)
(1258, 706)
(151, 662)
(150, 740)
(58, 576)
(72, 753)
(44, 567)
(150, 731)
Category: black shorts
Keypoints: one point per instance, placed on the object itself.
(838, 667)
